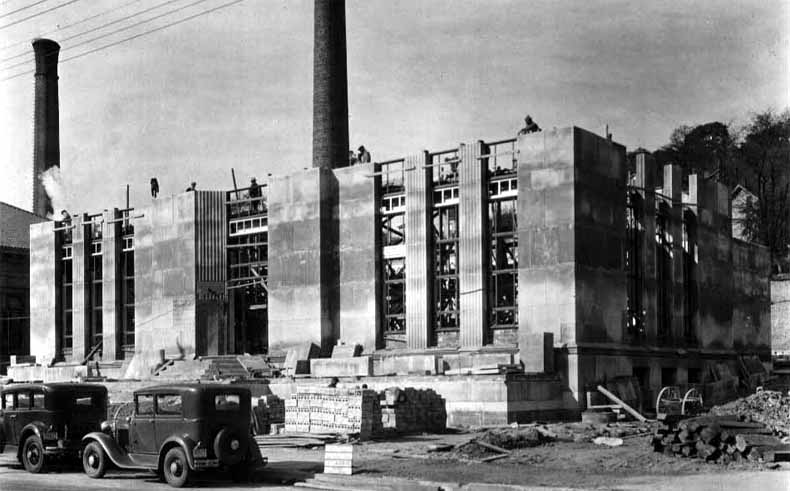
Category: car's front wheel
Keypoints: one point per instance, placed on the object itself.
(176, 468)
(33, 455)
(94, 460)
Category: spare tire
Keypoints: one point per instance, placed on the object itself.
(230, 446)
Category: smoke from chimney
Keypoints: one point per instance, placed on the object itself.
(46, 130)
(330, 85)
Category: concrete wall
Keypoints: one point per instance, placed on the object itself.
(751, 319)
(43, 291)
(359, 251)
(715, 266)
(303, 278)
(165, 281)
(599, 198)
(780, 315)
(546, 240)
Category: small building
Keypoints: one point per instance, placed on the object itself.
(537, 251)
(14, 281)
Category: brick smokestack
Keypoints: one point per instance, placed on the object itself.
(330, 85)
(46, 132)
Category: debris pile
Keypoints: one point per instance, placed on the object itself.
(721, 439)
(412, 411)
(498, 442)
(333, 410)
(772, 408)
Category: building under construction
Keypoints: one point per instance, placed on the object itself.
(539, 256)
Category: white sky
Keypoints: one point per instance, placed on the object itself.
(234, 88)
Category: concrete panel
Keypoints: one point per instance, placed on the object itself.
(359, 258)
(780, 315)
(418, 271)
(44, 341)
(472, 247)
(165, 281)
(211, 331)
(303, 258)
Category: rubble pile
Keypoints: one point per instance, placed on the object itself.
(721, 439)
(412, 411)
(771, 408)
(333, 410)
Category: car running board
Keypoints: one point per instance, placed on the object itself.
(136, 461)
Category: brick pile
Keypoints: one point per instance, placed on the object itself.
(332, 410)
(412, 411)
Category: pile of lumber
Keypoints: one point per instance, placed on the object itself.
(334, 410)
(722, 439)
(296, 440)
(413, 410)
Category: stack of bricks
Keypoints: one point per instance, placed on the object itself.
(413, 411)
(339, 459)
(330, 410)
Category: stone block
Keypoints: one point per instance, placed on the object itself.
(475, 361)
(360, 366)
(346, 350)
(408, 365)
(536, 352)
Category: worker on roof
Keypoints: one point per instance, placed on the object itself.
(529, 126)
(363, 157)
(154, 187)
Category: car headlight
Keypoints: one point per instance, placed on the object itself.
(234, 444)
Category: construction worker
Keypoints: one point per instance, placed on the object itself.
(529, 126)
(154, 187)
(255, 189)
(363, 157)
(192, 187)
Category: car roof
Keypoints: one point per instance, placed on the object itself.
(190, 387)
(56, 387)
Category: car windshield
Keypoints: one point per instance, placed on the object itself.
(227, 402)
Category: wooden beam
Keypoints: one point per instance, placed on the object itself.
(633, 412)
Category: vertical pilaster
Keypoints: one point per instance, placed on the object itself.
(471, 248)
(418, 241)
(111, 284)
(693, 203)
(646, 181)
(79, 291)
(673, 188)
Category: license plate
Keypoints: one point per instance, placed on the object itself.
(50, 435)
(200, 453)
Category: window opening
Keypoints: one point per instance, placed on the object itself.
(503, 262)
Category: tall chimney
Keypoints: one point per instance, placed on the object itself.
(330, 85)
(46, 132)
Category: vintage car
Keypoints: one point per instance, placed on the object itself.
(41, 422)
(176, 430)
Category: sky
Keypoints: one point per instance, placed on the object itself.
(232, 89)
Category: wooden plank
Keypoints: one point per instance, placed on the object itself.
(494, 457)
(625, 406)
(491, 447)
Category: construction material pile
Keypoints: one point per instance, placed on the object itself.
(332, 410)
(771, 408)
(722, 439)
(413, 411)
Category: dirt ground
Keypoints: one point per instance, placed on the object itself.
(567, 463)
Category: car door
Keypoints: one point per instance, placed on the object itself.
(8, 432)
(24, 416)
(169, 417)
(142, 427)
